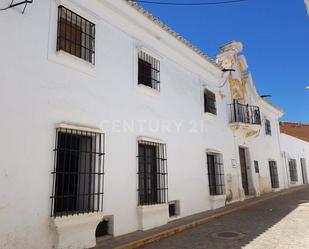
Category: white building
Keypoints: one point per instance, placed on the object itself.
(307, 5)
(104, 87)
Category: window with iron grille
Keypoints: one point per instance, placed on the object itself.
(274, 174)
(75, 35)
(256, 167)
(210, 102)
(293, 170)
(215, 174)
(152, 173)
(78, 172)
(267, 127)
(148, 71)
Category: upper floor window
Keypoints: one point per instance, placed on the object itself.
(148, 71)
(267, 127)
(152, 173)
(210, 102)
(75, 35)
(215, 174)
(293, 170)
(78, 172)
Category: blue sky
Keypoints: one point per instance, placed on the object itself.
(275, 34)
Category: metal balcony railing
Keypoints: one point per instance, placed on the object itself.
(245, 114)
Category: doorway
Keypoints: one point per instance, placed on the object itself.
(243, 169)
(304, 170)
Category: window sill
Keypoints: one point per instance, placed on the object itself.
(66, 59)
(147, 90)
(78, 228)
(152, 216)
(217, 201)
(217, 197)
(209, 115)
(152, 206)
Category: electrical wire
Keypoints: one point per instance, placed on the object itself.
(8, 6)
(190, 4)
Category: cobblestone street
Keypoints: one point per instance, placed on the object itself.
(278, 223)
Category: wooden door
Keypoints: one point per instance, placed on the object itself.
(243, 168)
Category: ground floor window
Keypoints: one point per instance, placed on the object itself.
(152, 173)
(78, 172)
(215, 174)
(293, 170)
(274, 174)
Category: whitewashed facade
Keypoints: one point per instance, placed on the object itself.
(46, 92)
(297, 150)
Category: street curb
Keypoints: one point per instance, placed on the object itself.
(182, 228)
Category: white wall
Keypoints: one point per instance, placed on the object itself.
(40, 88)
(294, 148)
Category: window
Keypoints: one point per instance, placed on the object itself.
(273, 174)
(78, 172)
(267, 127)
(215, 174)
(293, 170)
(76, 35)
(148, 71)
(152, 173)
(173, 208)
(256, 167)
(210, 102)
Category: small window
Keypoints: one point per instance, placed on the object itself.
(293, 170)
(76, 35)
(215, 174)
(78, 172)
(274, 174)
(267, 127)
(173, 208)
(148, 71)
(210, 102)
(256, 167)
(152, 173)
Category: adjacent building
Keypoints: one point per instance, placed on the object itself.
(112, 123)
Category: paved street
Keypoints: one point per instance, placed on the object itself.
(279, 223)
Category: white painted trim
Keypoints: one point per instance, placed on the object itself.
(65, 125)
(213, 151)
(149, 52)
(150, 139)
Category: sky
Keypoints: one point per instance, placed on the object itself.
(275, 35)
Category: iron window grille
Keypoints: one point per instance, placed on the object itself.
(78, 172)
(215, 174)
(76, 35)
(274, 174)
(210, 102)
(152, 173)
(267, 127)
(293, 170)
(148, 71)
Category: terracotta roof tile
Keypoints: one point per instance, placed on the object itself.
(298, 130)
